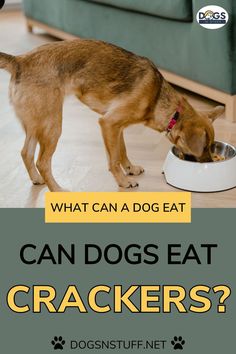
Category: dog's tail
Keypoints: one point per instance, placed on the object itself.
(8, 62)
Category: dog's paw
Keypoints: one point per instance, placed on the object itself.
(38, 181)
(134, 170)
(129, 184)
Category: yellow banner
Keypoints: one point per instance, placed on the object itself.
(118, 207)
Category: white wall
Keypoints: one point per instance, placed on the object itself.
(12, 4)
(12, 1)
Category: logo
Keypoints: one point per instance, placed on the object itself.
(212, 17)
(2, 2)
(58, 343)
(178, 343)
(102, 344)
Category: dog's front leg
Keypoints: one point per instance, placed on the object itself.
(111, 132)
(129, 168)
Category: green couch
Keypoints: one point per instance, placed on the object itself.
(167, 32)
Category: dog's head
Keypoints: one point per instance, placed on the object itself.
(194, 133)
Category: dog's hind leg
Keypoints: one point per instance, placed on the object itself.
(27, 154)
(111, 131)
(39, 109)
(48, 138)
(129, 168)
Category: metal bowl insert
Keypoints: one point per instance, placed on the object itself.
(219, 148)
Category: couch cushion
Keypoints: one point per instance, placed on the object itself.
(173, 9)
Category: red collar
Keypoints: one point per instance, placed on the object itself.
(174, 118)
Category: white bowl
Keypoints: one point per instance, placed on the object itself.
(202, 177)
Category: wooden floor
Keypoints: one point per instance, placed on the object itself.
(80, 163)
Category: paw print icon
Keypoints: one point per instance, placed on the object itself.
(58, 343)
(178, 343)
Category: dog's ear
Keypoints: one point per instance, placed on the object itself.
(215, 113)
(196, 141)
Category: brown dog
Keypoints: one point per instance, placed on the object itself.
(122, 87)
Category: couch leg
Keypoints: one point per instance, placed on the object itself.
(55, 32)
(230, 108)
(29, 27)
